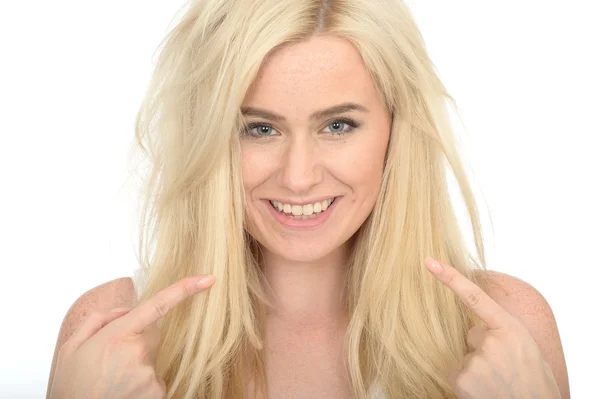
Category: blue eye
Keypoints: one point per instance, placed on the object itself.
(260, 130)
(337, 127)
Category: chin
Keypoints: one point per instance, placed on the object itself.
(302, 251)
(306, 255)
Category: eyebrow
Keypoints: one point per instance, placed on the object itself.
(336, 109)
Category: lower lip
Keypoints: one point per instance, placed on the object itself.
(302, 224)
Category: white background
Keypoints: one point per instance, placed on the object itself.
(72, 74)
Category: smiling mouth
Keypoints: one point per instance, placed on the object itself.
(308, 211)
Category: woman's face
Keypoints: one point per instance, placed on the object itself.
(318, 131)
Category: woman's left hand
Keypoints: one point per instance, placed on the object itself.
(505, 361)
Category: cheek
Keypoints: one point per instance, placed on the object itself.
(361, 166)
(257, 165)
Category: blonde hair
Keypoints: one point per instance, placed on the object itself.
(406, 330)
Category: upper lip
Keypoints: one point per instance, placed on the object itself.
(303, 202)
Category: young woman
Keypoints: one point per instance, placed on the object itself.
(298, 152)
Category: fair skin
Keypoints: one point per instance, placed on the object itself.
(294, 158)
(300, 161)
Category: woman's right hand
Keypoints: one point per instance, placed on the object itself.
(112, 355)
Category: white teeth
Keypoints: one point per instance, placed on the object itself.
(307, 211)
(317, 207)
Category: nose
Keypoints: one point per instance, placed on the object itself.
(300, 169)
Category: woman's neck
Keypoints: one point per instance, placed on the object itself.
(307, 294)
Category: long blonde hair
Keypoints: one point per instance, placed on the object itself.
(406, 330)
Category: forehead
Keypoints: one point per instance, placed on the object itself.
(319, 72)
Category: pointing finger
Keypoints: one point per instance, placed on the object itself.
(470, 294)
(154, 308)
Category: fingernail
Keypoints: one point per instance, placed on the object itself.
(435, 267)
(204, 280)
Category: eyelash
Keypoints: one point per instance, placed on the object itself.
(352, 125)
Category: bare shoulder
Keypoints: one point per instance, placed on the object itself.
(529, 306)
(516, 296)
(112, 294)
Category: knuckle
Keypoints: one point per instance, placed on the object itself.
(146, 376)
(462, 381)
(474, 299)
(153, 386)
(139, 352)
(187, 291)
(489, 344)
(161, 307)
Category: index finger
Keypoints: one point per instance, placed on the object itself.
(494, 315)
(154, 308)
